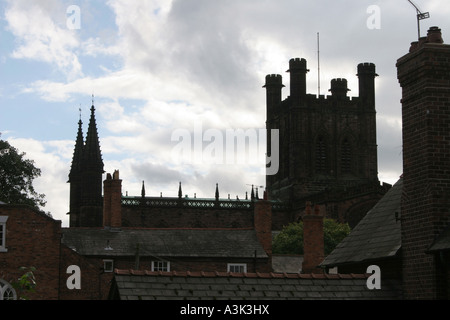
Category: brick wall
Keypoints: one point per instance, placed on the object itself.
(424, 75)
(32, 240)
(94, 283)
(182, 217)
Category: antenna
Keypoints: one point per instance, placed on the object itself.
(420, 16)
(318, 65)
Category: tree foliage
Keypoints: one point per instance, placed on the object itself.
(290, 239)
(16, 177)
(26, 283)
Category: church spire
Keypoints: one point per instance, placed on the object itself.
(85, 178)
(78, 152)
(92, 153)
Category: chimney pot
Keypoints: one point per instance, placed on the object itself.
(434, 35)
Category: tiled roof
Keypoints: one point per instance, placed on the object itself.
(377, 235)
(147, 285)
(237, 243)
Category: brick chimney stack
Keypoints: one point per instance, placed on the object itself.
(313, 243)
(424, 76)
(112, 201)
(263, 226)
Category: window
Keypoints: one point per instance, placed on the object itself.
(161, 266)
(321, 155)
(3, 220)
(346, 156)
(237, 267)
(108, 265)
(7, 292)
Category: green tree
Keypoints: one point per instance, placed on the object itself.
(16, 178)
(290, 239)
(26, 283)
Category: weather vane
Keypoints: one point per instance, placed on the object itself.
(420, 16)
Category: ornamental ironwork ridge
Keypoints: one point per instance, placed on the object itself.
(159, 202)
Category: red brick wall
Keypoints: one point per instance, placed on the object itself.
(32, 240)
(424, 75)
(92, 281)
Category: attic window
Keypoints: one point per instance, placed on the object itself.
(237, 267)
(161, 266)
(108, 265)
(3, 220)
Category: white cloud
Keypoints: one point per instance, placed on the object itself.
(43, 37)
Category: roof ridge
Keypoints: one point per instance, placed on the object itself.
(261, 275)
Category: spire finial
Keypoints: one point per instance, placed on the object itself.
(217, 192)
(180, 193)
(143, 189)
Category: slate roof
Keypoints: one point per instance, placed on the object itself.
(287, 263)
(377, 235)
(146, 285)
(442, 242)
(237, 243)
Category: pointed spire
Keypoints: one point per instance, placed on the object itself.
(180, 193)
(92, 154)
(217, 192)
(143, 189)
(78, 151)
(252, 195)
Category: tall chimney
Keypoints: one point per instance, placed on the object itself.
(313, 243)
(112, 201)
(263, 226)
(424, 76)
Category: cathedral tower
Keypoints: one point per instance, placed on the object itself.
(327, 144)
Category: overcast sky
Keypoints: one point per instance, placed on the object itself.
(160, 67)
